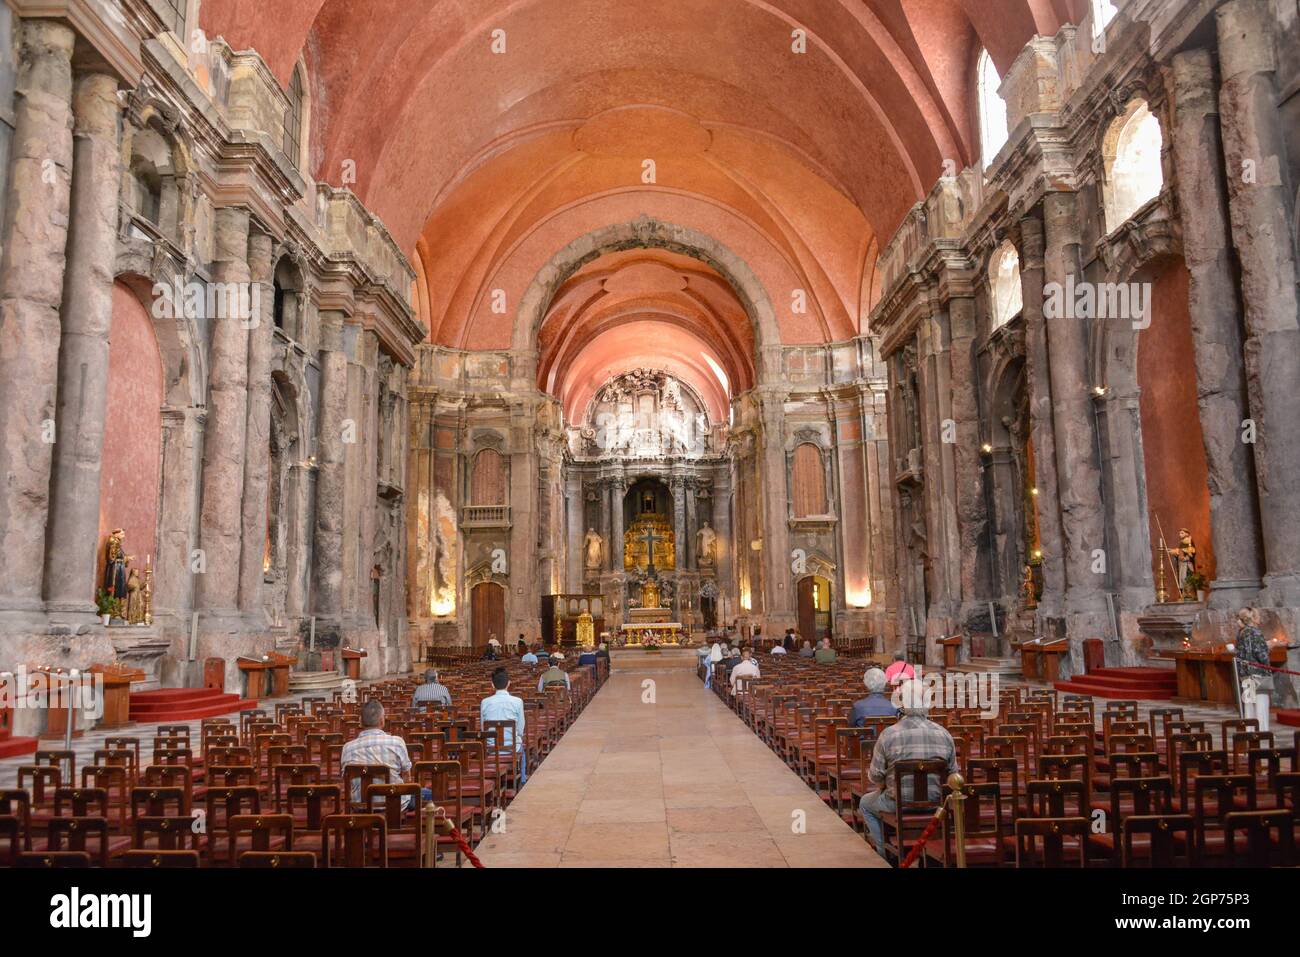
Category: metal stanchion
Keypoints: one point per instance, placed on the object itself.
(430, 836)
(958, 796)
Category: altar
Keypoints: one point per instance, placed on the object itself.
(636, 634)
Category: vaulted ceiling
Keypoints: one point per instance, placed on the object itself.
(484, 162)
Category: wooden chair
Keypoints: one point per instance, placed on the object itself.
(286, 860)
(171, 833)
(55, 859)
(1269, 839)
(161, 860)
(1052, 833)
(902, 826)
(1169, 840)
(401, 808)
(354, 840)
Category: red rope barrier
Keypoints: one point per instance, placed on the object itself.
(925, 836)
(1253, 664)
(463, 844)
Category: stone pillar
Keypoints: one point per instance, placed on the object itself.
(1078, 476)
(1042, 433)
(327, 551)
(257, 436)
(935, 398)
(178, 513)
(524, 609)
(692, 557)
(778, 601)
(577, 552)
(617, 489)
(221, 521)
(73, 530)
(679, 523)
(969, 484)
(1216, 331)
(31, 292)
(1254, 145)
(725, 550)
(297, 501)
(368, 474)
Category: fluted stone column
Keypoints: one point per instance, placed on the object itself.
(72, 534)
(31, 292)
(327, 552)
(257, 438)
(221, 524)
(1078, 475)
(1216, 331)
(1254, 145)
(1039, 386)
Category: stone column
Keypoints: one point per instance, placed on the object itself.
(972, 518)
(1254, 145)
(679, 523)
(725, 550)
(31, 292)
(1078, 476)
(778, 602)
(1042, 433)
(327, 550)
(178, 513)
(221, 522)
(1216, 331)
(524, 611)
(617, 489)
(73, 530)
(577, 552)
(692, 558)
(257, 437)
(940, 536)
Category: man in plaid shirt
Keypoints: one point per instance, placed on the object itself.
(913, 738)
(373, 746)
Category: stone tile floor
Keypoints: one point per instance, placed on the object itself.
(679, 782)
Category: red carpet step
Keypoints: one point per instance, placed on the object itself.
(17, 747)
(185, 704)
(1157, 684)
(1289, 716)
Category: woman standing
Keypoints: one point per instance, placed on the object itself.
(1252, 651)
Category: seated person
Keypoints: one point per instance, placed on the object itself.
(521, 646)
(746, 667)
(503, 706)
(373, 746)
(876, 704)
(543, 655)
(913, 738)
(789, 641)
(825, 653)
(603, 651)
(807, 650)
(529, 657)
(899, 671)
(779, 650)
(553, 675)
(432, 690)
(588, 657)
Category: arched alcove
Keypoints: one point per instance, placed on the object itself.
(1005, 296)
(1131, 154)
(992, 109)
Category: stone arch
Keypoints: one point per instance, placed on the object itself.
(157, 160)
(179, 336)
(290, 291)
(1005, 296)
(648, 233)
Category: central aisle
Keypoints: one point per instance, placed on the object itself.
(680, 782)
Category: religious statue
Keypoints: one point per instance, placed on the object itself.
(707, 542)
(591, 546)
(115, 562)
(1184, 559)
(134, 598)
(1029, 588)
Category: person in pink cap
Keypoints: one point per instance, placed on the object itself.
(899, 671)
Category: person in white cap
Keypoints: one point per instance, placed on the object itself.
(554, 675)
(913, 738)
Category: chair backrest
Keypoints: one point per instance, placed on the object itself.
(357, 777)
(261, 830)
(161, 859)
(223, 803)
(1052, 833)
(159, 802)
(354, 840)
(313, 799)
(74, 833)
(1151, 795)
(171, 832)
(1261, 839)
(275, 860)
(1057, 797)
(912, 779)
(1170, 840)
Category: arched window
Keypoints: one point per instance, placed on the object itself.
(809, 481)
(1004, 284)
(1134, 176)
(1103, 11)
(993, 110)
(293, 117)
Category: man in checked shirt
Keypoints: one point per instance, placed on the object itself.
(373, 746)
(913, 738)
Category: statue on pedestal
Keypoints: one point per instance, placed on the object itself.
(706, 545)
(134, 598)
(115, 562)
(1184, 558)
(591, 547)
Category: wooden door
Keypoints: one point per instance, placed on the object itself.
(807, 609)
(487, 614)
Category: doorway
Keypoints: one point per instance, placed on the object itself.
(815, 621)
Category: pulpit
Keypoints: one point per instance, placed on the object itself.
(117, 692)
(352, 662)
(1208, 674)
(951, 649)
(62, 694)
(1051, 653)
(257, 672)
(280, 665)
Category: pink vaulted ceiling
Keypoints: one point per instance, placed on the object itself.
(645, 308)
(484, 165)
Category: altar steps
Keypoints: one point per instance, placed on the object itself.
(1289, 716)
(987, 666)
(185, 704)
(1150, 684)
(17, 747)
